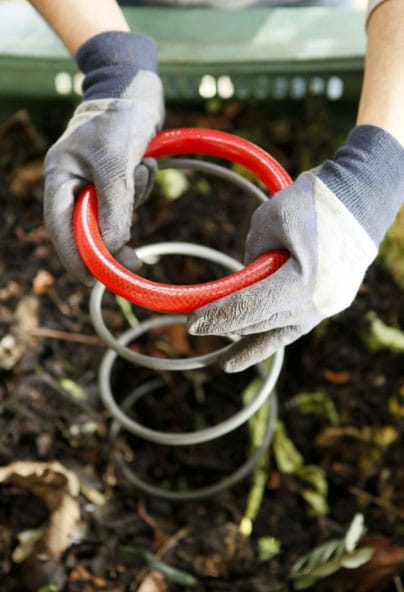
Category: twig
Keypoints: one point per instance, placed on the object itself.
(398, 584)
(173, 541)
(66, 336)
(378, 501)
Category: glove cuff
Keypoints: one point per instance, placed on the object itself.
(111, 60)
(367, 176)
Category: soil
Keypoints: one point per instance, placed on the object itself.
(50, 408)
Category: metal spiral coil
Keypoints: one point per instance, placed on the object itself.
(118, 347)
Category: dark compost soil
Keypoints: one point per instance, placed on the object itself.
(48, 349)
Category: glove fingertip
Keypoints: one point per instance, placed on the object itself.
(144, 176)
(233, 367)
(128, 258)
(204, 326)
(115, 219)
(196, 327)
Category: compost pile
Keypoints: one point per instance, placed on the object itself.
(324, 509)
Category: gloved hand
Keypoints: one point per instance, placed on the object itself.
(331, 220)
(105, 140)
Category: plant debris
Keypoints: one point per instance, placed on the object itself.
(66, 510)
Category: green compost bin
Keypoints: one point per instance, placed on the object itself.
(255, 54)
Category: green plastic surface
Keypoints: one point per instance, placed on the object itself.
(250, 54)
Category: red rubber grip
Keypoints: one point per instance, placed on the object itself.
(179, 298)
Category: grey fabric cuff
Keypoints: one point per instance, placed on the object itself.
(111, 60)
(367, 175)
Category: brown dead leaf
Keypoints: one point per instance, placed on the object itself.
(377, 574)
(358, 449)
(6, 315)
(81, 574)
(153, 582)
(63, 522)
(42, 282)
(37, 235)
(179, 338)
(59, 489)
(27, 540)
(381, 436)
(26, 316)
(10, 352)
(234, 554)
(172, 340)
(14, 344)
(386, 562)
(27, 177)
(18, 136)
(11, 290)
(26, 320)
(337, 377)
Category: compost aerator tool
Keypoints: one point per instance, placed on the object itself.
(169, 298)
(180, 298)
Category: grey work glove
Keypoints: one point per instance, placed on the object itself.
(331, 220)
(105, 140)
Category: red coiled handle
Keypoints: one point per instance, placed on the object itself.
(179, 298)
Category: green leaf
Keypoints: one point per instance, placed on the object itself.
(382, 336)
(318, 555)
(288, 458)
(314, 477)
(76, 391)
(329, 557)
(314, 488)
(171, 574)
(257, 427)
(304, 582)
(316, 501)
(127, 311)
(313, 485)
(268, 547)
(357, 558)
(138, 557)
(172, 183)
(318, 402)
(355, 532)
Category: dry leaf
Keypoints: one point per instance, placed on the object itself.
(19, 136)
(387, 561)
(80, 574)
(27, 540)
(42, 282)
(381, 436)
(153, 582)
(335, 377)
(14, 345)
(35, 236)
(26, 177)
(11, 290)
(26, 318)
(367, 446)
(172, 340)
(233, 556)
(377, 574)
(59, 489)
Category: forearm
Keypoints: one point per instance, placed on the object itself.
(76, 21)
(381, 102)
